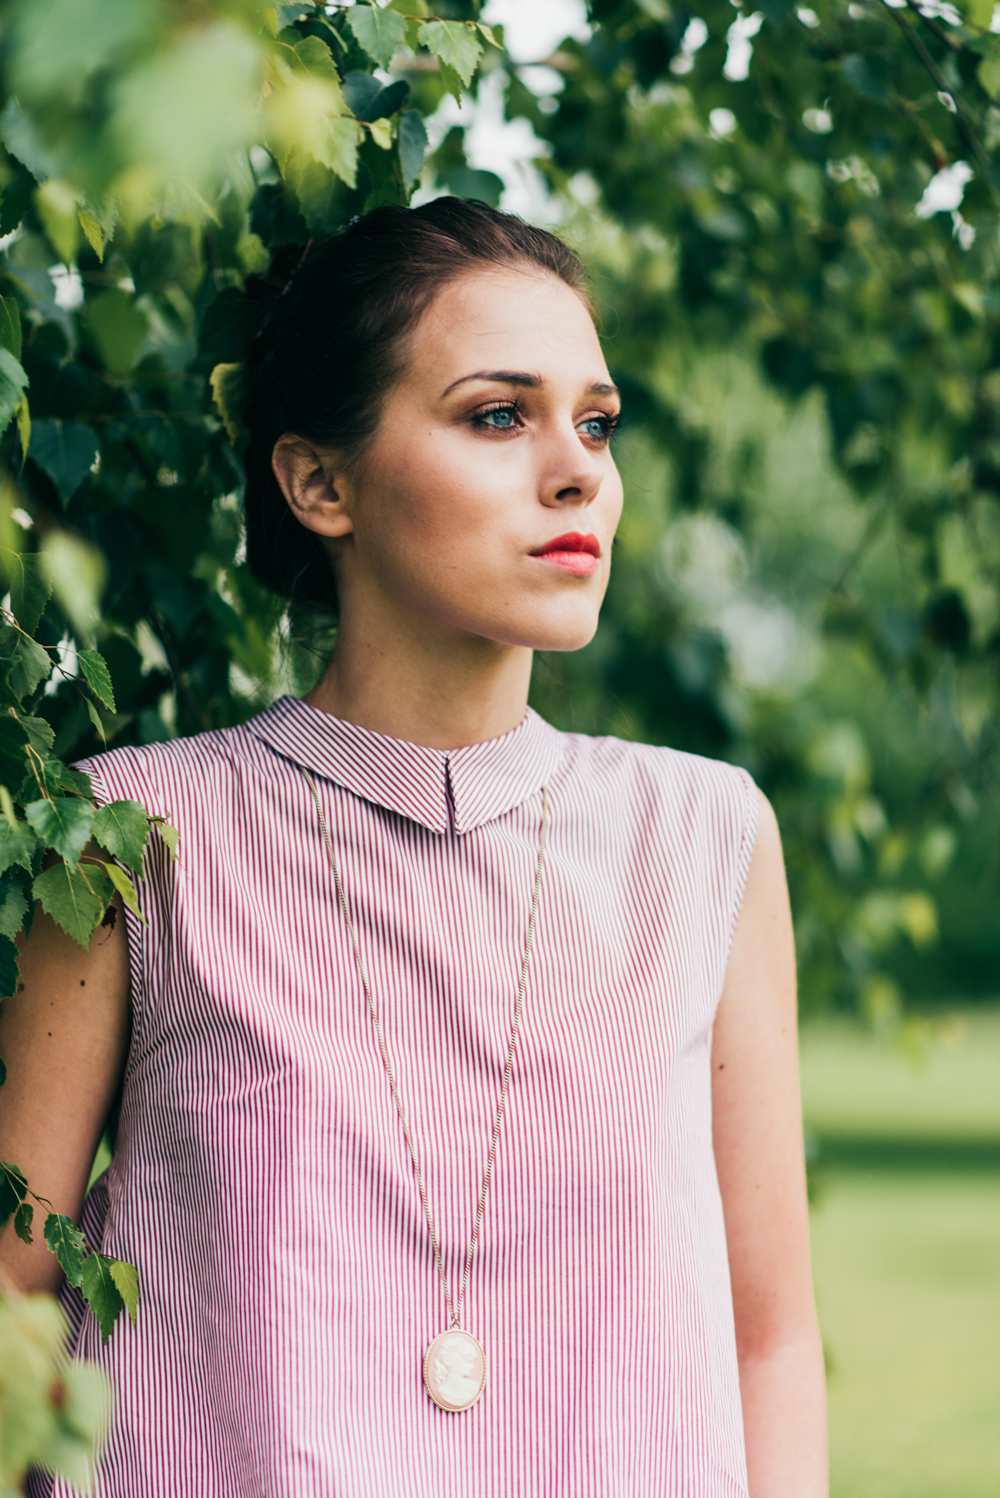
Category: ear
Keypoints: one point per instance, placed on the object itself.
(308, 480)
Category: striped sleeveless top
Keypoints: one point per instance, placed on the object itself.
(260, 1180)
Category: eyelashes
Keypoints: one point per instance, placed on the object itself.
(512, 409)
(509, 415)
(609, 424)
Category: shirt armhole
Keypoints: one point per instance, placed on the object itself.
(133, 925)
(748, 839)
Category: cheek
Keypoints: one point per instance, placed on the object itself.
(439, 495)
(614, 495)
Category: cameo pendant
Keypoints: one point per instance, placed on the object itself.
(455, 1371)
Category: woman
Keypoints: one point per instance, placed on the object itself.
(458, 1143)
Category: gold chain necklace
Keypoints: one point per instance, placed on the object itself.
(455, 1363)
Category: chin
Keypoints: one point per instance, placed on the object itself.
(571, 629)
(565, 643)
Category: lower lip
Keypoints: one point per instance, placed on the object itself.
(582, 563)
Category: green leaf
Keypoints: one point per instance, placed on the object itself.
(125, 888)
(412, 147)
(17, 845)
(337, 148)
(66, 450)
(13, 1189)
(57, 207)
(22, 1221)
(24, 665)
(452, 82)
(65, 823)
(14, 739)
(18, 191)
(93, 232)
(312, 55)
(101, 1292)
(61, 43)
(13, 384)
(40, 735)
(168, 832)
(22, 415)
(381, 132)
(29, 587)
(13, 906)
(3, 1069)
(66, 1241)
(126, 1281)
(77, 570)
(989, 74)
(65, 895)
(454, 43)
(226, 381)
(122, 827)
(489, 34)
(42, 780)
(98, 677)
(23, 141)
(10, 972)
(465, 182)
(95, 718)
(10, 326)
(380, 32)
(386, 192)
(73, 780)
(370, 100)
(118, 328)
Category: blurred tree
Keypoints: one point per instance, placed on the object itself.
(793, 219)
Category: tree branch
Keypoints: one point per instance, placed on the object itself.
(941, 82)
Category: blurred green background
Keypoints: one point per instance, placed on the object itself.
(906, 1253)
(792, 217)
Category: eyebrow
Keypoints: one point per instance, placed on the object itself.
(523, 380)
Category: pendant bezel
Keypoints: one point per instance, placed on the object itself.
(455, 1406)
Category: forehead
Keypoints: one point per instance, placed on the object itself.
(507, 319)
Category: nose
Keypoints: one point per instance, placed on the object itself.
(571, 471)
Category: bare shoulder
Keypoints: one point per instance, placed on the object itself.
(64, 1037)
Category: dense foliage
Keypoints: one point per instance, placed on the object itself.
(792, 219)
(151, 156)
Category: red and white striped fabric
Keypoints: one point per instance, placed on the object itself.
(260, 1179)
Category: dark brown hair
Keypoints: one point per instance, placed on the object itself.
(329, 350)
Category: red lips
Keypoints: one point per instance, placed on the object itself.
(572, 541)
(571, 553)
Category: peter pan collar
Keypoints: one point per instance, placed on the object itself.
(486, 780)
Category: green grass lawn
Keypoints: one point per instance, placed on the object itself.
(906, 1248)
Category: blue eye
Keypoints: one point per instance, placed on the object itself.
(501, 418)
(599, 428)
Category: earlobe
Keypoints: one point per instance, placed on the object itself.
(309, 481)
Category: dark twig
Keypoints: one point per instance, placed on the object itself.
(939, 31)
(941, 82)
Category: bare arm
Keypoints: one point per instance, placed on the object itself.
(758, 1150)
(64, 1037)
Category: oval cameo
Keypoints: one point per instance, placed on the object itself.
(455, 1371)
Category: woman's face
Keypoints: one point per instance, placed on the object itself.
(487, 501)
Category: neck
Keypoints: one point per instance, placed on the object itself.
(440, 690)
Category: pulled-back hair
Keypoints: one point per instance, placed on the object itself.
(330, 348)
